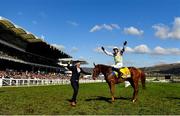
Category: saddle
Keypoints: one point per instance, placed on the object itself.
(124, 71)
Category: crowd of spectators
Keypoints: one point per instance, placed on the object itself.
(6, 55)
(31, 75)
(26, 74)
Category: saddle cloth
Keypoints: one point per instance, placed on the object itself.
(125, 72)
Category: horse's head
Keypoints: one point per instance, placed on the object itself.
(96, 71)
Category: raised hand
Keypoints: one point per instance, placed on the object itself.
(125, 43)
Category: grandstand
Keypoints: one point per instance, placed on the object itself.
(20, 50)
(25, 56)
(28, 60)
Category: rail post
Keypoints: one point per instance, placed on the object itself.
(0, 82)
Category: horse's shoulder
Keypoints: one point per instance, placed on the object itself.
(134, 68)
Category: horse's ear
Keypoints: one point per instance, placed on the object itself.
(94, 64)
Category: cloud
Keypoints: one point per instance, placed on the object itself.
(160, 51)
(74, 49)
(42, 37)
(175, 33)
(96, 28)
(115, 26)
(128, 49)
(133, 31)
(73, 23)
(161, 31)
(60, 47)
(82, 58)
(108, 27)
(141, 49)
(144, 49)
(110, 47)
(165, 32)
(98, 49)
(166, 51)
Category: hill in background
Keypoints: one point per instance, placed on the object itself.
(162, 69)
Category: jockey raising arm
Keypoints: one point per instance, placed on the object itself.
(117, 54)
(117, 59)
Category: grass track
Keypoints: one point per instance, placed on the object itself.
(158, 98)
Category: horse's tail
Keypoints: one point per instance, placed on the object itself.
(143, 79)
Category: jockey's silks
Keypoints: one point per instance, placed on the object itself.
(125, 72)
(118, 59)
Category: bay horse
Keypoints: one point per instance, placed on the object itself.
(111, 79)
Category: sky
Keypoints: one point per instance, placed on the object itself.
(81, 27)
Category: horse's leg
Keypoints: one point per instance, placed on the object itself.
(135, 90)
(133, 85)
(112, 91)
(109, 83)
(111, 86)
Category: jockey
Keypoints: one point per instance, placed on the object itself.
(118, 59)
(117, 56)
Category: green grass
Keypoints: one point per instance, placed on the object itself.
(93, 99)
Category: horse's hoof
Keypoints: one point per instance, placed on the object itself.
(112, 100)
(133, 100)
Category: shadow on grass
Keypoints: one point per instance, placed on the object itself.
(69, 100)
(106, 99)
(173, 98)
(2, 91)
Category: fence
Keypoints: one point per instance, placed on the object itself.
(163, 78)
(32, 82)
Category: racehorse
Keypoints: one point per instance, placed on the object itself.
(111, 79)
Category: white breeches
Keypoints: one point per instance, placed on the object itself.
(118, 65)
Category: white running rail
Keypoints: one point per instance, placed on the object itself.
(32, 82)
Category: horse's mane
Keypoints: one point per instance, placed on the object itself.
(104, 65)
